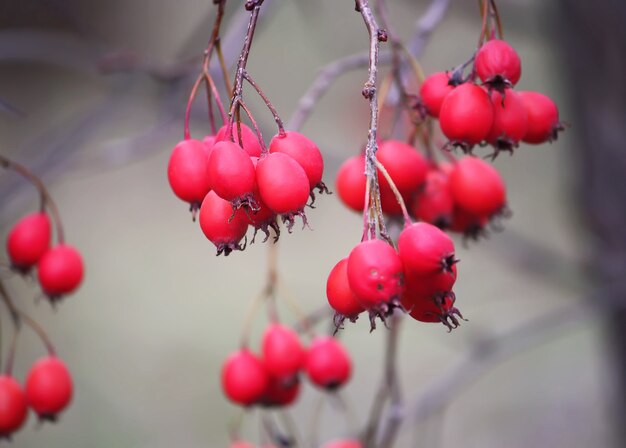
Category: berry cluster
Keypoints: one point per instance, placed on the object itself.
(272, 379)
(59, 268)
(48, 385)
(492, 113)
(47, 391)
(418, 278)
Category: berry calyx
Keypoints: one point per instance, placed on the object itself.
(13, 406)
(498, 64)
(49, 387)
(327, 363)
(221, 225)
(60, 271)
(28, 240)
(244, 378)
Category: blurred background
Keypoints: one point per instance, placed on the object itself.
(93, 96)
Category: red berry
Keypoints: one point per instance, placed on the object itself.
(466, 115)
(283, 184)
(425, 250)
(350, 183)
(303, 151)
(244, 378)
(187, 171)
(49, 387)
(497, 63)
(241, 444)
(60, 270)
(340, 296)
(435, 285)
(510, 120)
(221, 225)
(327, 363)
(282, 352)
(477, 187)
(375, 273)
(343, 443)
(470, 225)
(426, 309)
(28, 240)
(13, 406)
(433, 91)
(250, 140)
(406, 167)
(281, 391)
(434, 203)
(543, 118)
(232, 173)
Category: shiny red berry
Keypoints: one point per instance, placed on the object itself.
(28, 240)
(498, 63)
(543, 118)
(187, 171)
(433, 203)
(60, 270)
(406, 167)
(281, 392)
(425, 250)
(49, 387)
(221, 225)
(282, 352)
(303, 151)
(244, 378)
(327, 363)
(433, 91)
(375, 273)
(466, 115)
(350, 183)
(283, 184)
(232, 173)
(510, 120)
(477, 187)
(340, 296)
(433, 285)
(250, 140)
(13, 406)
(440, 310)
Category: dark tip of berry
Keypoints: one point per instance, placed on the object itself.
(289, 219)
(265, 228)
(227, 248)
(383, 311)
(498, 83)
(502, 144)
(246, 200)
(443, 222)
(559, 127)
(448, 262)
(194, 208)
(454, 144)
(48, 418)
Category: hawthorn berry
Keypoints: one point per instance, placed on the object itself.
(469, 224)
(281, 392)
(498, 64)
(241, 444)
(543, 118)
(510, 121)
(283, 186)
(433, 91)
(434, 285)
(340, 296)
(434, 203)
(376, 277)
(406, 167)
(60, 271)
(221, 225)
(426, 309)
(477, 187)
(425, 250)
(249, 138)
(244, 378)
(466, 116)
(303, 151)
(187, 172)
(49, 387)
(232, 174)
(327, 363)
(13, 406)
(282, 352)
(28, 240)
(350, 183)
